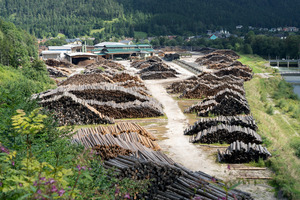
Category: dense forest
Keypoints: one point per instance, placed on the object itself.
(163, 17)
(265, 46)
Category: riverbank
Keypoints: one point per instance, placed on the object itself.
(277, 112)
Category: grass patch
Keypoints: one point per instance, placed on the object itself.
(278, 130)
(141, 35)
(256, 63)
(97, 30)
(61, 35)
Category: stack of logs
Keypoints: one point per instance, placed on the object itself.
(240, 152)
(154, 68)
(227, 103)
(117, 95)
(225, 98)
(56, 72)
(131, 159)
(171, 181)
(226, 134)
(205, 123)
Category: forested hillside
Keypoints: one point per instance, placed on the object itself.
(156, 17)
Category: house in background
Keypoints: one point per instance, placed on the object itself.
(126, 42)
(213, 37)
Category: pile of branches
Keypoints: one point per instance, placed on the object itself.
(205, 123)
(58, 63)
(205, 89)
(214, 58)
(226, 134)
(240, 152)
(227, 52)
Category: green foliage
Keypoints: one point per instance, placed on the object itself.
(270, 110)
(56, 42)
(295, 144)
(285, 90)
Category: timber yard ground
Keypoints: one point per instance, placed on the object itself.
(277, 129)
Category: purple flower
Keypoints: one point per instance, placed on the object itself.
(20, 184)
(61, 192)
(1, 184)
(117, 191)
(127, 196)
(51, 180)
(39, 192)
(13, 163)
(228, 167)
(90, 169)
(43, 179)
(223, 198)
(78, 167)
(35, 183)
(4, 150)
(53, 189)
(84, 167)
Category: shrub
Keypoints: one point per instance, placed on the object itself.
(270, 110)
(295, 144)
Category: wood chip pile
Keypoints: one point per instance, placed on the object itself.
(240, 152)
(205, 123)
(154, 68)
(236, 71)
(226, 134)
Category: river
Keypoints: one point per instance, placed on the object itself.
(294, 80)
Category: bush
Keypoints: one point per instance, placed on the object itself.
(270, 110)
(295, 144)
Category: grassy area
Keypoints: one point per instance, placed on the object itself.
(140, 34)
(278, 130)
(256, 63)
(97, 30)
(60, 35)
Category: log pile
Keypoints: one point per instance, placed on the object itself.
(58, 72)
(107, 152)
(128, 132)
(131, 159)
(69, 109)
(86, 79)
(58, 63)
(236, 71)
(226, 102)
(205, 123)
(240, 152)
(110, 99)
(226, 134)
(227, 52)
(204, 89)
(154, 68)
(170, 181)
